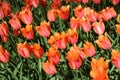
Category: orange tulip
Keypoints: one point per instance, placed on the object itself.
(23, 49)
(4, 29)
(28, 32)
(37, 50)
(6, 8)
(34, 3)
(115, 2)
(49, 67)
(26, 15)
(96, 1)
(72, 36)
(118, 18)
(53, 55)
(118, 28)
(51, 15)
(64, 12)
(85, 23)
(116, 58)
(78, 11)
(58, 40)
(87, 11)
(100, 17)
(92, 16)
(44, 29)
(103, 42)
(15, 22)
(67, 1)
(74, 23)
(74, 59)
(99, 69)
(4, 55)
(1, 13)
(89, 49)
(98, 27)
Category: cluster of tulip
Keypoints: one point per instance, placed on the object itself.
(85, 18)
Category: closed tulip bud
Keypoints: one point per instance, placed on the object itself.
(4, 29)
(51, 15)
(23, 49)
(89, 49)
(49, 67)
(28, 32)
(118, 18)
(4, 38)
(1, 13)
(26, 15)
(98, 27)
(44, 29)
(4, 55)
(118, 28)
(103, 42)
(96, 1)
(115, 2)
(37, 50)
(53, 55)
(116, 58)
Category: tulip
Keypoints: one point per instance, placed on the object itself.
(28, 32)
(92, 16)
(116, 58)
(4, 55)
(103, 42)
(96, 1)
(64, 12)
(43, 2)
(76, 0)
(4, 38)
(57, 2)
(72, 36)
(4, 29)
(115, 2)
(43, 29)
(118, 28)
(51, 15)
(54, 6)
(118, 18)
(85, 23)
(37, 50)
(74, 59)
(98, 27)
(15, 22)
(6, 8)
(85, 1)
(53, 55)
(49, 67)
(1, 13)
(99, 69)
(89, 49)
(26, 15)
(74, 23)
(78, 11)
(23, 49)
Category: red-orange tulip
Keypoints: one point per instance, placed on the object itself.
(57, 2)
(64, 12)
(74, 23)
(78, 11)
(4, 55)
(72, 36)
(23, 49)
(85, 1)
(26, 15)
(15, 22)
(58, 40)
(116, 58)
(37, 50)
(16, 32)
(89, 49)
(53, 55)
(115, 2)
(99, 69)
(1, 13)
(118, 28)
(51, 15)
(44, 29)
(28, 32)
(76, 0)
(4, 29)
(4, 38)
(49, 67)
(103, 42)
(34, 3)
(96, 1)
(85, 23)
(74, 59)
(6, 8)
(98, 27)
